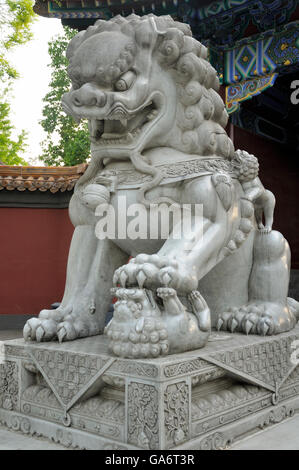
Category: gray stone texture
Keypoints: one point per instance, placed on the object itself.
(78, 395)
(159, 377)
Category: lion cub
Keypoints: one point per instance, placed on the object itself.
(246, 167)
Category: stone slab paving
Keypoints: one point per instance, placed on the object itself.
(10, 440)
(9, 334)
(284, 436)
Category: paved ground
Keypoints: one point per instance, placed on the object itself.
(16, 441)
(10, 334)
(284, 436)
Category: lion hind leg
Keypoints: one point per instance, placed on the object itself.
(268, 311)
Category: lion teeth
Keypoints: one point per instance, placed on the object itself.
(96, 128)
(116, 129)
(152, 114)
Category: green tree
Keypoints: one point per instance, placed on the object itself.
(67, 142)
(16, 17)
(9, 147)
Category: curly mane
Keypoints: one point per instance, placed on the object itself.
(245, 165)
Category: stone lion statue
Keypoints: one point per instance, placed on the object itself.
(157, 132)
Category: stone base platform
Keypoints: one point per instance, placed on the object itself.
(78, 395)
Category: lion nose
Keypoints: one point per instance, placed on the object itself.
(89, 95)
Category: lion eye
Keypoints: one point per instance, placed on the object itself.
(125, 81)
(76, 85)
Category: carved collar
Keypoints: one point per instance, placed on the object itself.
(131, 178)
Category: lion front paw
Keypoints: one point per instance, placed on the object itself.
(73, 327)
(152, 271)
(40, 329)
(44, 327)
(64, 324)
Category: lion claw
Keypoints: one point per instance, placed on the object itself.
(263, 327)
(61, 334)
(151, 270)
(219, 324)
(39, 334)
(248, 326)
(27, 332)
(141, 278)
(233, 325)
(123, 278)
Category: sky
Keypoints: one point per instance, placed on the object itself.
(31, 60)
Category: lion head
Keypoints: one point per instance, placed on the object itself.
(144, 82)
(245, 166)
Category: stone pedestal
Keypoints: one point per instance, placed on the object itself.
(77, 394)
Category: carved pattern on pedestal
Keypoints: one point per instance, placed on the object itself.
(143, 410)
(221, 440)
(63, 437)
(227, 406)
(288, 392)
(9, 387)
(205, 371)
(97, 415)
(17, 423)
(267, 364)
(118, 382)
(40, 394)
(130, 367)
(15, 351)
(277, 416)
(180, 368)
(213, 403)
(98, 408)
(207, 375)
(67, 372)
(215, 441)
(176, 413)
(293, 377)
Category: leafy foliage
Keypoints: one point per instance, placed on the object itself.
(9, 147)
(16, 17)
(67, 142)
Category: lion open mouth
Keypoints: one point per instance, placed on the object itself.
(121, 127)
